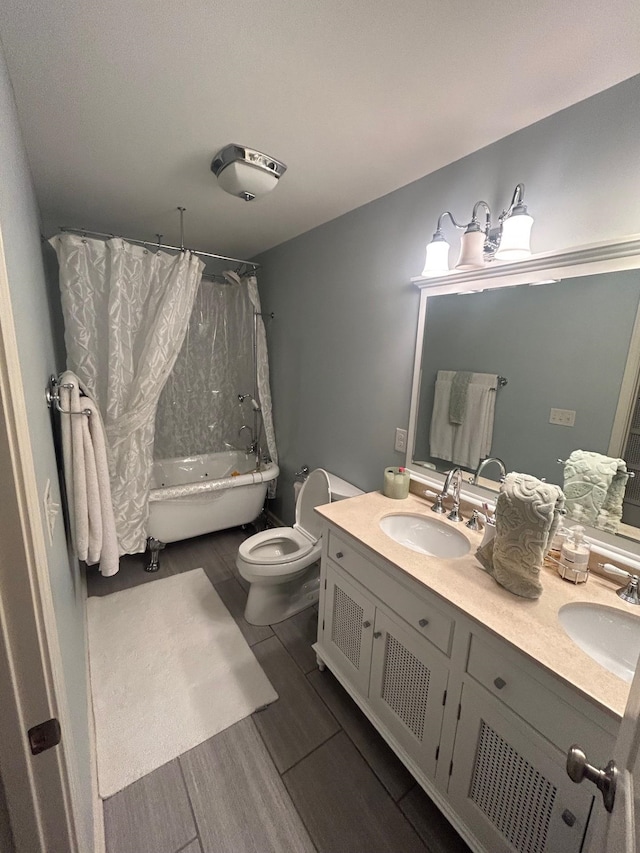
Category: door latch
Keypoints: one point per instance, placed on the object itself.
(44, 736)
(605, 779)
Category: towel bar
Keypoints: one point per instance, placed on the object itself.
(631, 474)
(52, 396)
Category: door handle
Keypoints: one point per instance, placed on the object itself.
(605, 779)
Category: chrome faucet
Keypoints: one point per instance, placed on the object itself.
(629, 592)
(251, 446)
(454, 476)
(488, 461)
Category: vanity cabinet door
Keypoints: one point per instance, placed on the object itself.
(348, 629)
(509, 784)
(407, 690)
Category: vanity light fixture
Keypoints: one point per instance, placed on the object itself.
(481, 242)
(245, 172)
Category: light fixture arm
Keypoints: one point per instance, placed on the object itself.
(517, 200)
(451, 217)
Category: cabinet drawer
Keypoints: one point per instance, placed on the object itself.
(412, 603)
(540, 706)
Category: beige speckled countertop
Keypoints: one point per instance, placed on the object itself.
(530, 626)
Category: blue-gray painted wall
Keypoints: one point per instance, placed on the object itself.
(40, 355)
(342, 341)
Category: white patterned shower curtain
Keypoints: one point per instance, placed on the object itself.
(264, 387)
(198, 411)
(126, 311)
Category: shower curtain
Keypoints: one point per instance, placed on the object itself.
(126, 311)
(199, 410)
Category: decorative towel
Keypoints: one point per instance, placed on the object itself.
(86, 471)
(528, 513)
(466, 443)
(458, 398)
(594, 488)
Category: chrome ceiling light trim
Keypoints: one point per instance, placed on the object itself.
(245, 172)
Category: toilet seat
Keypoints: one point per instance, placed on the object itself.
(283, 550)
(277, 546)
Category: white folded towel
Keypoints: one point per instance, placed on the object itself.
(594, 487)
(109, 553)
(76, 478)
(86, 471)
(528, 512)
(466, 443)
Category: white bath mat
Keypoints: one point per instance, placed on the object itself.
(169, 669)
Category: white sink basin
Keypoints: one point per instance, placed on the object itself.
(611, 637)
(425, 535)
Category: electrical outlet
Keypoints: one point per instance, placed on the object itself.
(562, 417)
(401, 440)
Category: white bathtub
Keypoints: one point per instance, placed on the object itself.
(202, 494)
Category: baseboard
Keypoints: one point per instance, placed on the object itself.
(99, 840)
(273, 518)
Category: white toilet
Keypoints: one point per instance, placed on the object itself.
(281, 564)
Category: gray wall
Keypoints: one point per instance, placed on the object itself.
(560, 345)
(342, 342)
(39, 356)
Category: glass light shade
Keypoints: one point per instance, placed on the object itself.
(437, 260)
(471, 251)
(516, 235)
(241, 177)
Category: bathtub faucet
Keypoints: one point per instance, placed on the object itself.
(250, 447)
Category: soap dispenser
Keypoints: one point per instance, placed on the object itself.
(574, 556)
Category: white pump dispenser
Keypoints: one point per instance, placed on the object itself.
(574, 557)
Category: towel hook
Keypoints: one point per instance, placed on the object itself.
(52, 396)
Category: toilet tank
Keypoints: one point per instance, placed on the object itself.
(340, 489)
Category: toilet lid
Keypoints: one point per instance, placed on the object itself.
(316, 491)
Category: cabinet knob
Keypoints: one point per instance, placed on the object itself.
(605, 778)
(499, 682)
(366, 624)
(423, 623)
(377, 634)
(339, 555)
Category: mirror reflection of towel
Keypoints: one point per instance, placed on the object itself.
(466, 443)
(594, 488)
(528, 513)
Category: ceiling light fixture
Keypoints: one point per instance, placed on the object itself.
(482, 242)
(245, 172)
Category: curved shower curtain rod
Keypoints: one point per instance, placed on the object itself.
(157, 245)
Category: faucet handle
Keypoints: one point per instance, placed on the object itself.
(438, 506)
(628, 593)
(610, 569)
(474, 522)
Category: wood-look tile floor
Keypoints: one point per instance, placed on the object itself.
(309, 773)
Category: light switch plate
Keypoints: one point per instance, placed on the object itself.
(562, 417)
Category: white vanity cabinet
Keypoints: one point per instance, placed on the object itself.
(481, 727)
(398, 673)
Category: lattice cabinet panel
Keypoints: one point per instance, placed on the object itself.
(407, 688)
(348, 628)
(512, 786)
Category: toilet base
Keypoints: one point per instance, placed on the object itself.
(268, 604)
